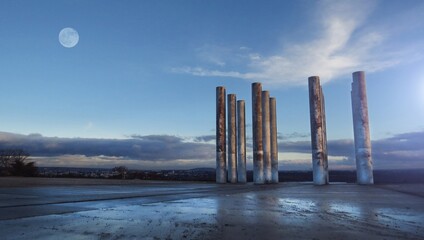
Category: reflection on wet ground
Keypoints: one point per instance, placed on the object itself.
(209, 211)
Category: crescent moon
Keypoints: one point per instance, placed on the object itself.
(68, 37)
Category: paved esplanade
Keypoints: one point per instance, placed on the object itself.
(102, 209)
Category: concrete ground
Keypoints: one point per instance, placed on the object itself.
(34, 208)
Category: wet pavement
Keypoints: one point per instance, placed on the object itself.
(175, 210)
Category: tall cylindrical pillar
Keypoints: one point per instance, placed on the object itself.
(324, 135)
(232, 150)
(258, 167)
(274, 141)
(320, 172)
(241, 142)
(364, 168)
(221, 173)
(266, 136)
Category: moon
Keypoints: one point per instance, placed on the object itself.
(68, 37)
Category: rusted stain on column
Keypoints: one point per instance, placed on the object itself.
(241, 142)
(221, 173)
(274, 141)
(319, 160)
(364, 164)
(232, 150)
(266, 136)
(258, 167)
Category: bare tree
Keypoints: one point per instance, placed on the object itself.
(13, 161)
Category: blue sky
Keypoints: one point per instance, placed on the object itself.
(144, 74)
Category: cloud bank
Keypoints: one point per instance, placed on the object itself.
(143, 148)
(342, 40)
(401, 151)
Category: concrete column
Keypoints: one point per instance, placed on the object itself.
(241, 142)
(266, 136)
(258, 164)
(221, 173)
(364, 168)
(324, 134)
(319, 164)
(232, 150)
(274, 142)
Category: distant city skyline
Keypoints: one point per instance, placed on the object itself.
(138, 88)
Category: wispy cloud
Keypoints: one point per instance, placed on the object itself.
(292, 136)
(215, 55)
(342, 41)
(89, 125)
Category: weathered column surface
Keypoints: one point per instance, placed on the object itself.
(221, 173)
(324, 135)
(241, 142)
(319, 163)
(274, 141)
(258, 167)
(232, 150)
(266, 136)
(364, 168)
